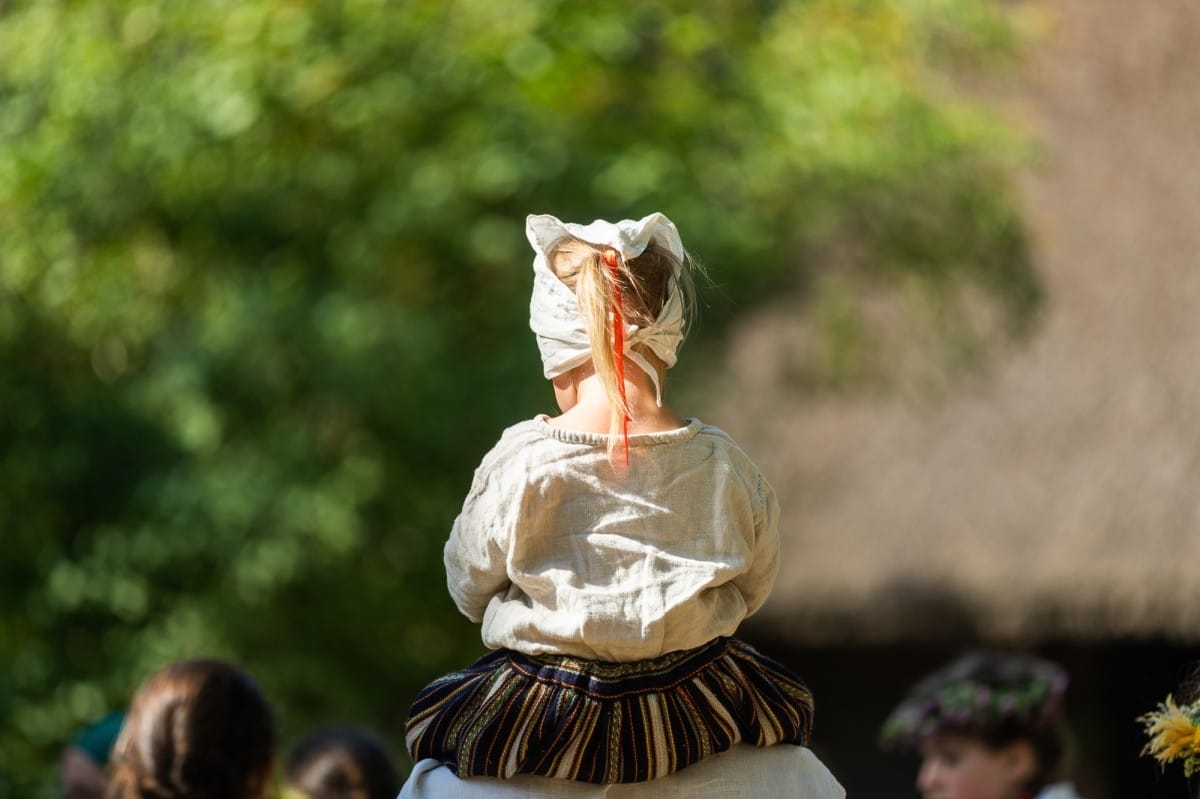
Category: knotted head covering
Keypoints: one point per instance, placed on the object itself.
(554, 311)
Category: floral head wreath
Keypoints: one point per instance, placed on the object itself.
(976, 705)
(1174, 734)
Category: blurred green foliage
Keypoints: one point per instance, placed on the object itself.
(263, 289)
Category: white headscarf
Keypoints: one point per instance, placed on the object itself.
(554, 312)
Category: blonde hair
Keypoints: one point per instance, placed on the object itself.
(645, 284)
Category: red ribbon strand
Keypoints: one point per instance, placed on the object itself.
(614, 268)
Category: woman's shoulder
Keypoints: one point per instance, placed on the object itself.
(774, 771)
(718, 438)
(515, 441)
(711, 431)
(523, 431)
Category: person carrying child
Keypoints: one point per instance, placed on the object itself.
(610, 552)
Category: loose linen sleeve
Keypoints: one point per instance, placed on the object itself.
(475, 554)
(756, 583)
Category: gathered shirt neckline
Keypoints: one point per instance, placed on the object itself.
(689, 431)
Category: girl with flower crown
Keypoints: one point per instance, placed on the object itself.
(610, 552)
(987, 726)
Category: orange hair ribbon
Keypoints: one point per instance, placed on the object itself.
(614, 268)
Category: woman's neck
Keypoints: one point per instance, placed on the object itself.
(592, 411)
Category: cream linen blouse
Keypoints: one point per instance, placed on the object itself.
(556, 551)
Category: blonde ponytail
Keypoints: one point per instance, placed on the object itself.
(582, 267)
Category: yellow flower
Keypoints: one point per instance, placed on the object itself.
(1172, 733)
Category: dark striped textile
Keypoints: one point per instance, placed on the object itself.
(597, 722)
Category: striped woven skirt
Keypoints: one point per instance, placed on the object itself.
(597, 722)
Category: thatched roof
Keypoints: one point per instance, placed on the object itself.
(1057, 494)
